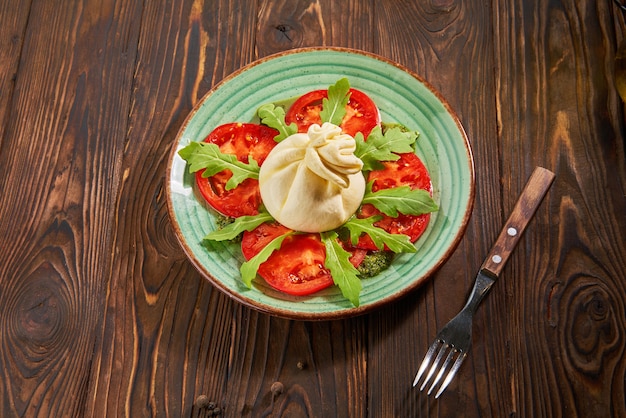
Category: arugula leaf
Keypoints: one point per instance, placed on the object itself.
(249, 268)
(242, 223)
(274, 117)
(399, 140)
(334, 107)
(383, 147)
(400, 199)
(204, 155)
(345, 275)
(367, 152)
(398, 243)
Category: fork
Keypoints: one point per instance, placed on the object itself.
(450, 348)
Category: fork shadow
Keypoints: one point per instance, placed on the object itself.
(415, 404)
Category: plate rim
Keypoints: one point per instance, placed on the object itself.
(339, 313)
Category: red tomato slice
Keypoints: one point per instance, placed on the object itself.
(357, 257)
(297, 267)
(242, 140)
(407, 171)
(362, 114)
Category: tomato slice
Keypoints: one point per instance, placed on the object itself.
(297, 267)
(362, 114)
(357, 256)
(410, 171)
(242, 140)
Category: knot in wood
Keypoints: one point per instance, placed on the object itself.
(443, 6)
(597, 307)
(41, 312)
(279, 34)
(592, 330)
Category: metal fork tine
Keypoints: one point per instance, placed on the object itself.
(435, 364)
(443, 369)
(426, 361)
(451, 374)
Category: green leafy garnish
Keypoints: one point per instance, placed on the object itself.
(398, 243)
(207, 156)
(345, 275)
(274, 117)
(249, 268)
(334, 107)
(400, 200)
(384, 143)
(383, 147)
(240, 224)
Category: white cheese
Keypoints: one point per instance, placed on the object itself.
(312, 182)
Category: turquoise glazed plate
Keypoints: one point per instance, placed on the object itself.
(402, 97)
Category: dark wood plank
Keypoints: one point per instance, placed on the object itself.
(285, 24)
(310, 363)
(558, 107)
(98, 301)
(59, 167)
(167, 333)
(13, 19)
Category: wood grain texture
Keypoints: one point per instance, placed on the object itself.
(14, 18)
(571, 299)
(159, 346)
(60, 174)
(102, 315)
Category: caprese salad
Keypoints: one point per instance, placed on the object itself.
(320, 192)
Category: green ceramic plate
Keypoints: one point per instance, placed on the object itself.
(402, 97)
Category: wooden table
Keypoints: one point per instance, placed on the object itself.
(101, 314)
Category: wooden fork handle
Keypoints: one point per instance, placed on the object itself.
(526, 206)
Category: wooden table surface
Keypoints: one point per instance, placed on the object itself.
(101, 313)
